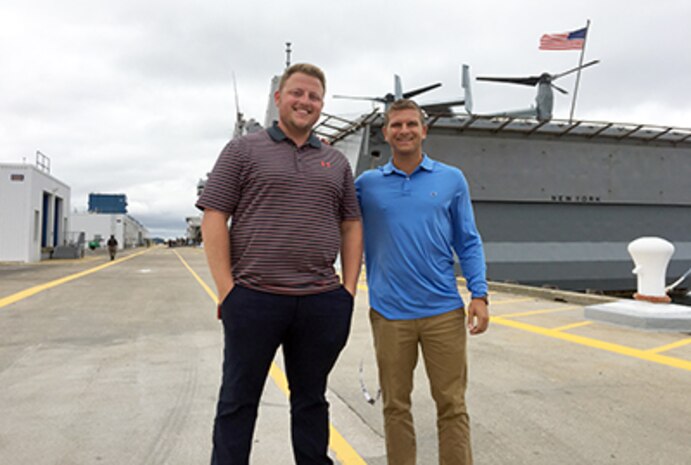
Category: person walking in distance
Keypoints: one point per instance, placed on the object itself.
(112, 246)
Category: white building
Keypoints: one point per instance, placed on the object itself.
(99, 226)
(194, 229)
(34, 212)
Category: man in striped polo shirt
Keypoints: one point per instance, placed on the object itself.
(293, 207)
(416, 213)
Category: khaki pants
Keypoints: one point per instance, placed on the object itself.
(442, 339)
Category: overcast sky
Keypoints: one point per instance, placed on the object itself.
(136, 96)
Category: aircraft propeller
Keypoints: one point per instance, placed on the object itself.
(544, 78)
(392, 97)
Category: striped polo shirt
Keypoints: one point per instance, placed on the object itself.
(286, 204)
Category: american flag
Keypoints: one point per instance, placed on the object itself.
(567, 41)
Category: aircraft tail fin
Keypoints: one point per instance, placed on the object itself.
(467, 91)
(398, 87)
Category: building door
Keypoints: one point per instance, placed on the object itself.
(57, 224)
(44, 222)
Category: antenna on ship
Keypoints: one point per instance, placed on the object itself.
(288, 51)
(239, 117)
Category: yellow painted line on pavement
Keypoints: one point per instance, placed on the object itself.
(49, 285)
(556, 333)
(201, 282)
(343, 450)
(573, 325)
(596, 344)
(674, 345)
(494, 303)
(279, 378)
(541, 311)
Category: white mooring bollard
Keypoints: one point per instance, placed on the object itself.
(651, 256)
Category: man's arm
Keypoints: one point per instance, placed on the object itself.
(478, 316)
(351, 253)
(468, 247)
(217, 250)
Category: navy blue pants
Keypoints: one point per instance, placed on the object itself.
(312, 330)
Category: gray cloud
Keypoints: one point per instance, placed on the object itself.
(137, 97)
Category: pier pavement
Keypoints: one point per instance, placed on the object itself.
(119, 363)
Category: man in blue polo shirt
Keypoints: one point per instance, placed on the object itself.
(416, 213)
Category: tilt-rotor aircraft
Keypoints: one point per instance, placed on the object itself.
(431, 108)
(544, 99)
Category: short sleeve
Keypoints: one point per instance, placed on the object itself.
(350, 209)
(224, 186)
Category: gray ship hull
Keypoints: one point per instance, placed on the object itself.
(557, 203)
(575, 247)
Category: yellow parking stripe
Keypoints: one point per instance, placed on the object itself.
(343, 450)
(42, 287)
(557, 333)
(540, 311)
(596, 344)
(674, 345)
(201, 282)
(573, 325)
(494, 303)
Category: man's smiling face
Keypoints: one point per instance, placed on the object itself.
(299, 103)
(405, 132)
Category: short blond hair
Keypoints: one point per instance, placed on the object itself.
(304, 68)
(404, 104)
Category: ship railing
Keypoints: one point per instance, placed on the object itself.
(643, 133)
(334, 128)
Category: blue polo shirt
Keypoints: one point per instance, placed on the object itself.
(413, 224)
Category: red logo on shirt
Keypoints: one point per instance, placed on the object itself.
(326, 164)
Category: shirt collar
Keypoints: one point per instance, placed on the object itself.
(426, 164)
(277, 135)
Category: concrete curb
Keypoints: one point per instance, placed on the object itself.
(578, 298)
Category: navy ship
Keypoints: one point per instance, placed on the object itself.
(556, 201)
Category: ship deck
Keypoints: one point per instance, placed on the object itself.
(119, 362)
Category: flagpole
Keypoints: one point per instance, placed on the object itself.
(578, 75)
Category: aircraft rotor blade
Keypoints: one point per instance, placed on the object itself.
(573, 70)
(559, 89)
(526, 81)
(237, 99)
(441, 107)
(371, 99)
(414, 92)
